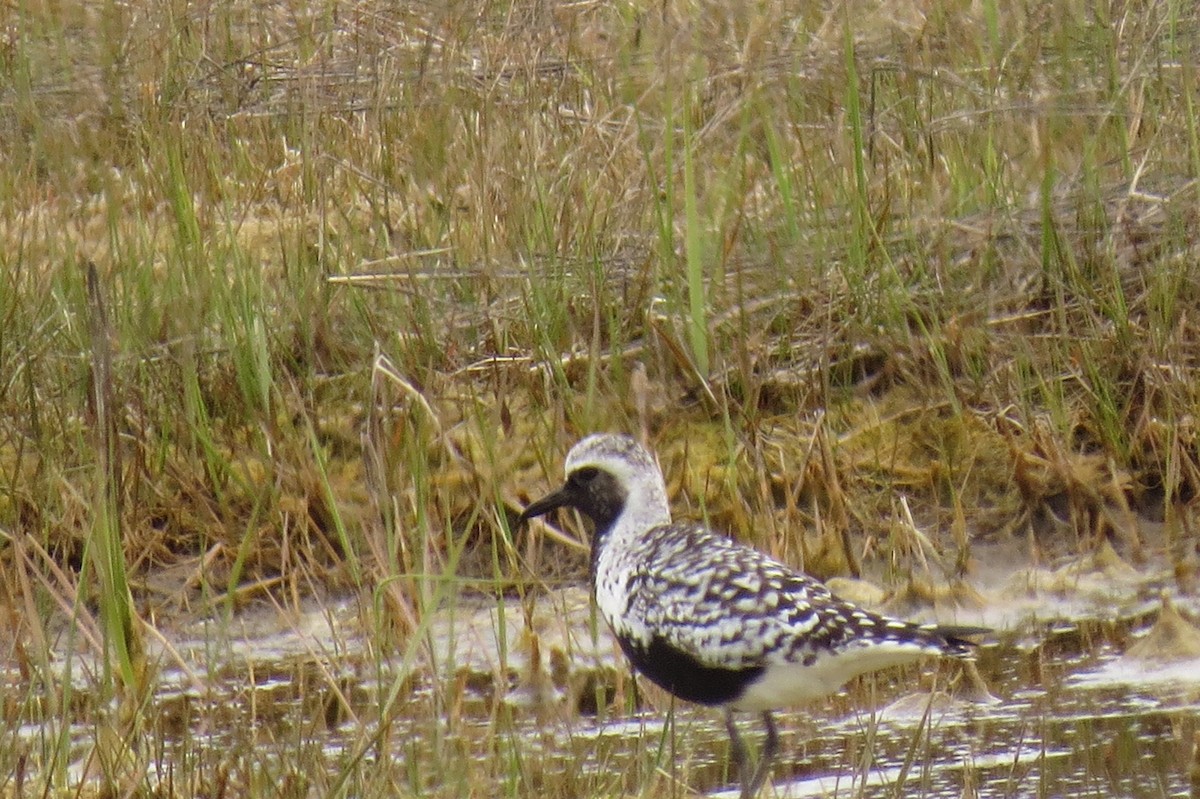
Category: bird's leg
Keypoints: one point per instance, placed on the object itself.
(752, 782)
(770, 749)
(740, 754)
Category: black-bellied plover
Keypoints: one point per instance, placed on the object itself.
(713, 621)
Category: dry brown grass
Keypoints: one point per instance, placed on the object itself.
(971, 246)
(504, 185)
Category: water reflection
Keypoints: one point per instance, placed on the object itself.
(1075, 717)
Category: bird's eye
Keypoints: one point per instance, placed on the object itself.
(585, 475)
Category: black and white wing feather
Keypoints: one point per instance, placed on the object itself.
(732, 607)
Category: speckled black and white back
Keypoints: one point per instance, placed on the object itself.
(719, 623)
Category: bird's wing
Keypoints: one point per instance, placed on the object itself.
(730, 606)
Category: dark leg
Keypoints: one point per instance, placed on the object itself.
(752, 782)
(770, 749)
(741, 755)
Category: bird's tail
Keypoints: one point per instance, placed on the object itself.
(957, 639)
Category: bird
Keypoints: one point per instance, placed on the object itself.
(713, 621)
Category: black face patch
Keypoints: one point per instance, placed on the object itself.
(687, 678)
(597, 495)
(593, 492)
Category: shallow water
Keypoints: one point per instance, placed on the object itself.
(1074, 718)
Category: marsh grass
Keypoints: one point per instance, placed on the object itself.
(368, 269)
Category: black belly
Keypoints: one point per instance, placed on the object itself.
(687, 678)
